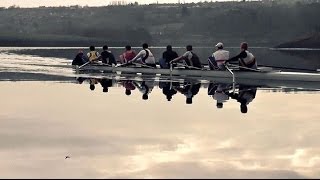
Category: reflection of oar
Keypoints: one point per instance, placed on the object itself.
(170, 76)
(233, 79)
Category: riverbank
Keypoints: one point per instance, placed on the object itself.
(311, 42)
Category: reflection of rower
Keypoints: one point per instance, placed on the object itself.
(167, 90)
(92, 83)
(219, 92)
(189, 90)
(145, 88)
(106, 83)
(128, 84)
(245, 96)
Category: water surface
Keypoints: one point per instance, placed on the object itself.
(47, 114)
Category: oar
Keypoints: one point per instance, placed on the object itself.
(191, 67)
(124, 64)
(78, 67)
(256, 70)
(84, 64)
(143, 65)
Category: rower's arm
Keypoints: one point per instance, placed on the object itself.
(243, 54)
(177, 59)
(139, 55)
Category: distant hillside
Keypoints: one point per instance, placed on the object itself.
(312, 41)
(260, 23)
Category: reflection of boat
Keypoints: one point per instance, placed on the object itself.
(255, 75)
(265, 77)
(221, 93)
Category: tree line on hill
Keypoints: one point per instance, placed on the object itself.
(261, 23)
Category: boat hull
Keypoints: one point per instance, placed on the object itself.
(248, 75)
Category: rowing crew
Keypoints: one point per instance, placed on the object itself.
(190, 59)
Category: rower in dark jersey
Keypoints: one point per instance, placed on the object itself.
(167, 56)
(106, 56)
(79, 59)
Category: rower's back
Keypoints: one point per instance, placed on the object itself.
(191, 58)
(93, 54)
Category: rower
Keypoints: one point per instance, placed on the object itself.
(146, 56)
(189, 57)
(128, 55)
(79, 59)
(106, 56)
(167, 56)
(245, 58)
(93, 54)
(220, 57)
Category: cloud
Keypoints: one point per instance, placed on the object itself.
(198, 170)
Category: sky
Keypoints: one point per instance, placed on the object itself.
(37, 3)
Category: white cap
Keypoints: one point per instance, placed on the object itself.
(220, 44)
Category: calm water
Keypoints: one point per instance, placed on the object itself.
(48, 113)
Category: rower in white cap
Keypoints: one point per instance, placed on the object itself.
(220, 57)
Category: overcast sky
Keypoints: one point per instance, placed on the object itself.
(36, 3)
